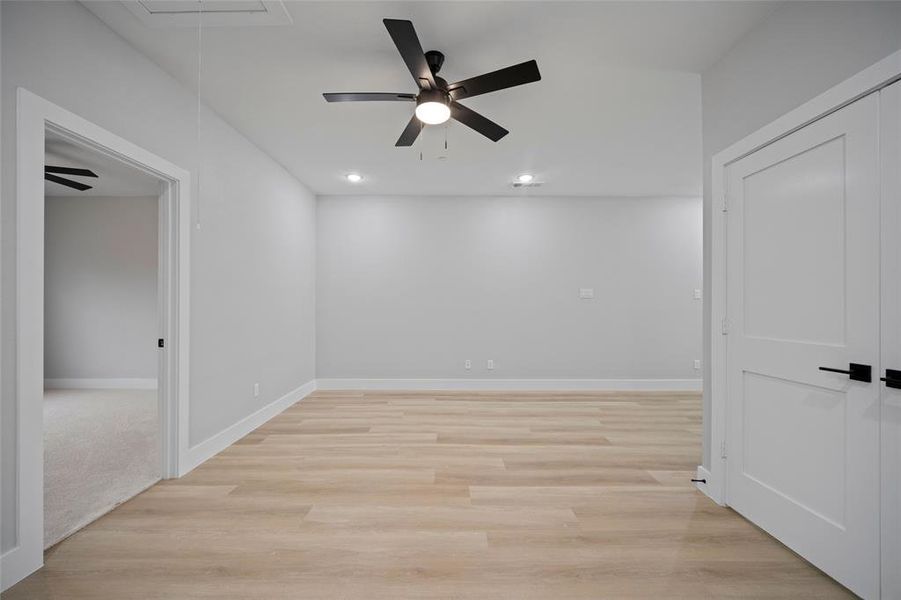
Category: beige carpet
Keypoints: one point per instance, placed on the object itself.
(101, 447)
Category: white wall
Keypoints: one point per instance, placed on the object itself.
(410, 287)
(800, 51)
(253, 260)
(100, 287)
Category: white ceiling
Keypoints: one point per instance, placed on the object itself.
(114, 177)
(617, 111)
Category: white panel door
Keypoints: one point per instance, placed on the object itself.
(890, 137)
(803, 293)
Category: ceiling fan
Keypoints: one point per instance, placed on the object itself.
(437, 100)
(49, 176)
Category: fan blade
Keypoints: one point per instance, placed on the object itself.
(502, 79)
(410, 49)
(474, 120)
(69, 171)
(369, 97)
(411, 132)
(67, 182)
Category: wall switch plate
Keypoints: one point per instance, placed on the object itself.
(256, 390)
(490, 364)
(586, 293)
(697, 365)
(467, 364)
(697, 294)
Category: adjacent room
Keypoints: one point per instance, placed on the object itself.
(101, 250)
(450, 299)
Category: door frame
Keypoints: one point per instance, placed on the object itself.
(36, 116)
(870, 80)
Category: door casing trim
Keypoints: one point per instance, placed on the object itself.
(36, 116)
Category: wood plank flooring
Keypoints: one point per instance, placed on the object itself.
(438, 495)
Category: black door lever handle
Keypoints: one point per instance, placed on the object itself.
(855, 372)
(892, 378)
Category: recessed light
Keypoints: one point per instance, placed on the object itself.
(354, 177)
(525, 178)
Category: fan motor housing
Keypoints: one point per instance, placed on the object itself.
(439, 95)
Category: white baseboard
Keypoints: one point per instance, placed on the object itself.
(196, 455)
(100, 384)
(16, 565)
(689, 385)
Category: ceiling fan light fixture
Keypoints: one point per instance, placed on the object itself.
(525, 178)
(433, 113)
(432, 107)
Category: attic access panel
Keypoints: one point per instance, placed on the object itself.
(212, 13)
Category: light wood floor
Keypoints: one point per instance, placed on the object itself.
(424, 495)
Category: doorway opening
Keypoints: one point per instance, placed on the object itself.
(101, 410)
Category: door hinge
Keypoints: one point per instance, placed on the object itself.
(725, 327)
(723, 449)
(161, 343)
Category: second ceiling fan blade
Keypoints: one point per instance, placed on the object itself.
(69, 171)
(67, 182)
(404, 36)
(501, 79)
(369, 97)
(474, 120)
(410, 133)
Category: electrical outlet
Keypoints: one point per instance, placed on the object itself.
(467, 364)
(586, 293)
(697, 365)
(697, 294)
(490, 364)
(256, 390)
